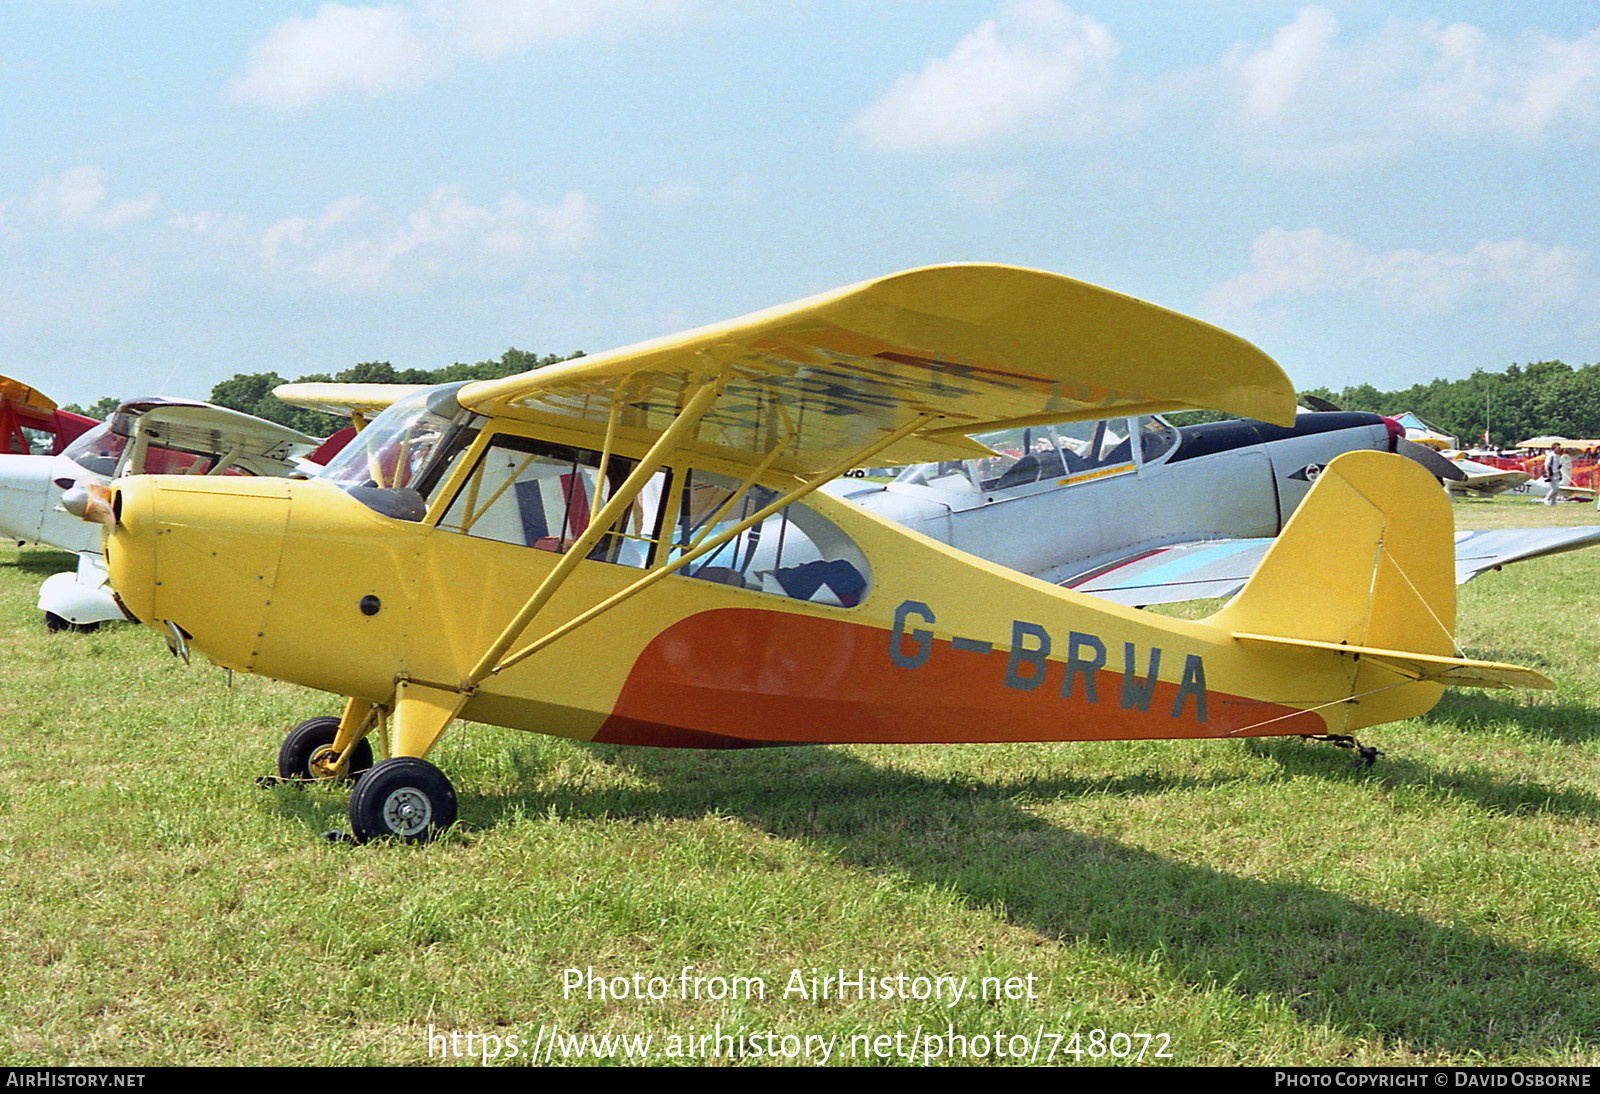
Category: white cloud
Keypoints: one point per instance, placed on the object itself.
(1036, 69)
(1513, 275)
(200, 223)
(1274, 73)
(80, 197)
(1314, 96)
(377, 49)
(340, 48)
(350, 245)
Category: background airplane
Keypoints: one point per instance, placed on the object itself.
(144, 436)
(1142, 512)
(1484, 481)
(30, 423)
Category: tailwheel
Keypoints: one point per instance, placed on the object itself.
(307, 752)
(403, 798)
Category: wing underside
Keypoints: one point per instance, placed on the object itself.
(941, 352)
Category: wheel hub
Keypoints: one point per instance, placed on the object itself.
(407, 811)
(324, 763)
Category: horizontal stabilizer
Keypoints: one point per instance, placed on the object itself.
(1458, 672)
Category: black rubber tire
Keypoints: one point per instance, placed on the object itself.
(402, 798)
(308, 738)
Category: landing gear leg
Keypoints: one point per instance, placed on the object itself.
(308, 753)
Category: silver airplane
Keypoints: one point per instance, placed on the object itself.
(1139, 511)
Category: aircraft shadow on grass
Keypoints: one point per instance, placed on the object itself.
(1326, 957)
(44, 561)
(1568, 723)
(1488, 790)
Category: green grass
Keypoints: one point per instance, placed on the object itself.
(1258, 902)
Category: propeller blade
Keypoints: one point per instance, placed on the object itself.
(1437, 465)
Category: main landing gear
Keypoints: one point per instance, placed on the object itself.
(402, 798)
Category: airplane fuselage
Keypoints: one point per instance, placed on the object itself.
(1227, 480)
(302, 582)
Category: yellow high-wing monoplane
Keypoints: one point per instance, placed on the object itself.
(629, 548)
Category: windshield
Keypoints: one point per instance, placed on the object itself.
(393, 451)
(97, 450)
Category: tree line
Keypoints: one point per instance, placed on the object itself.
(1531, 400)
(251, 392)
(1543, 397)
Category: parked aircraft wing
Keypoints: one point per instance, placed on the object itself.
(1481, 478)
(260, 446)
(1217, 568)
(18, 392)
(357, 401)
(941, 351)
(1477, 551)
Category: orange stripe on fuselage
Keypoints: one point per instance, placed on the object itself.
(737, 677)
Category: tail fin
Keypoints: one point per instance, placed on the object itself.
(1366, 568)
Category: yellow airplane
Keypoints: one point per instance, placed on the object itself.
(630, 548)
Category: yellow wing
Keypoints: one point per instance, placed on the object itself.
(980, 346)
(359, 402)
(15, 391)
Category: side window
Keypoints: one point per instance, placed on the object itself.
(796, 552)
(40, 441)
(1155, 438)
(543, 496)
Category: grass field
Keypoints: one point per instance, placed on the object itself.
(1242, 902)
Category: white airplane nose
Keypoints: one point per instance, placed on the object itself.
(75, 500)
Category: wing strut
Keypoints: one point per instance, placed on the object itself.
(686, 420)
(704, 547)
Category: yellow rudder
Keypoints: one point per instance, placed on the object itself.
(1367, 560)
(1365, 572)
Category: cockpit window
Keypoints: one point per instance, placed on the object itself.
(944, 475)
(1047, 453)
(796, 552)
(535, 494)
(40, 441)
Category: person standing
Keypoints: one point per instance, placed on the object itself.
(1557, 470)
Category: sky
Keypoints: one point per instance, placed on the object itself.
(1371, 192)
